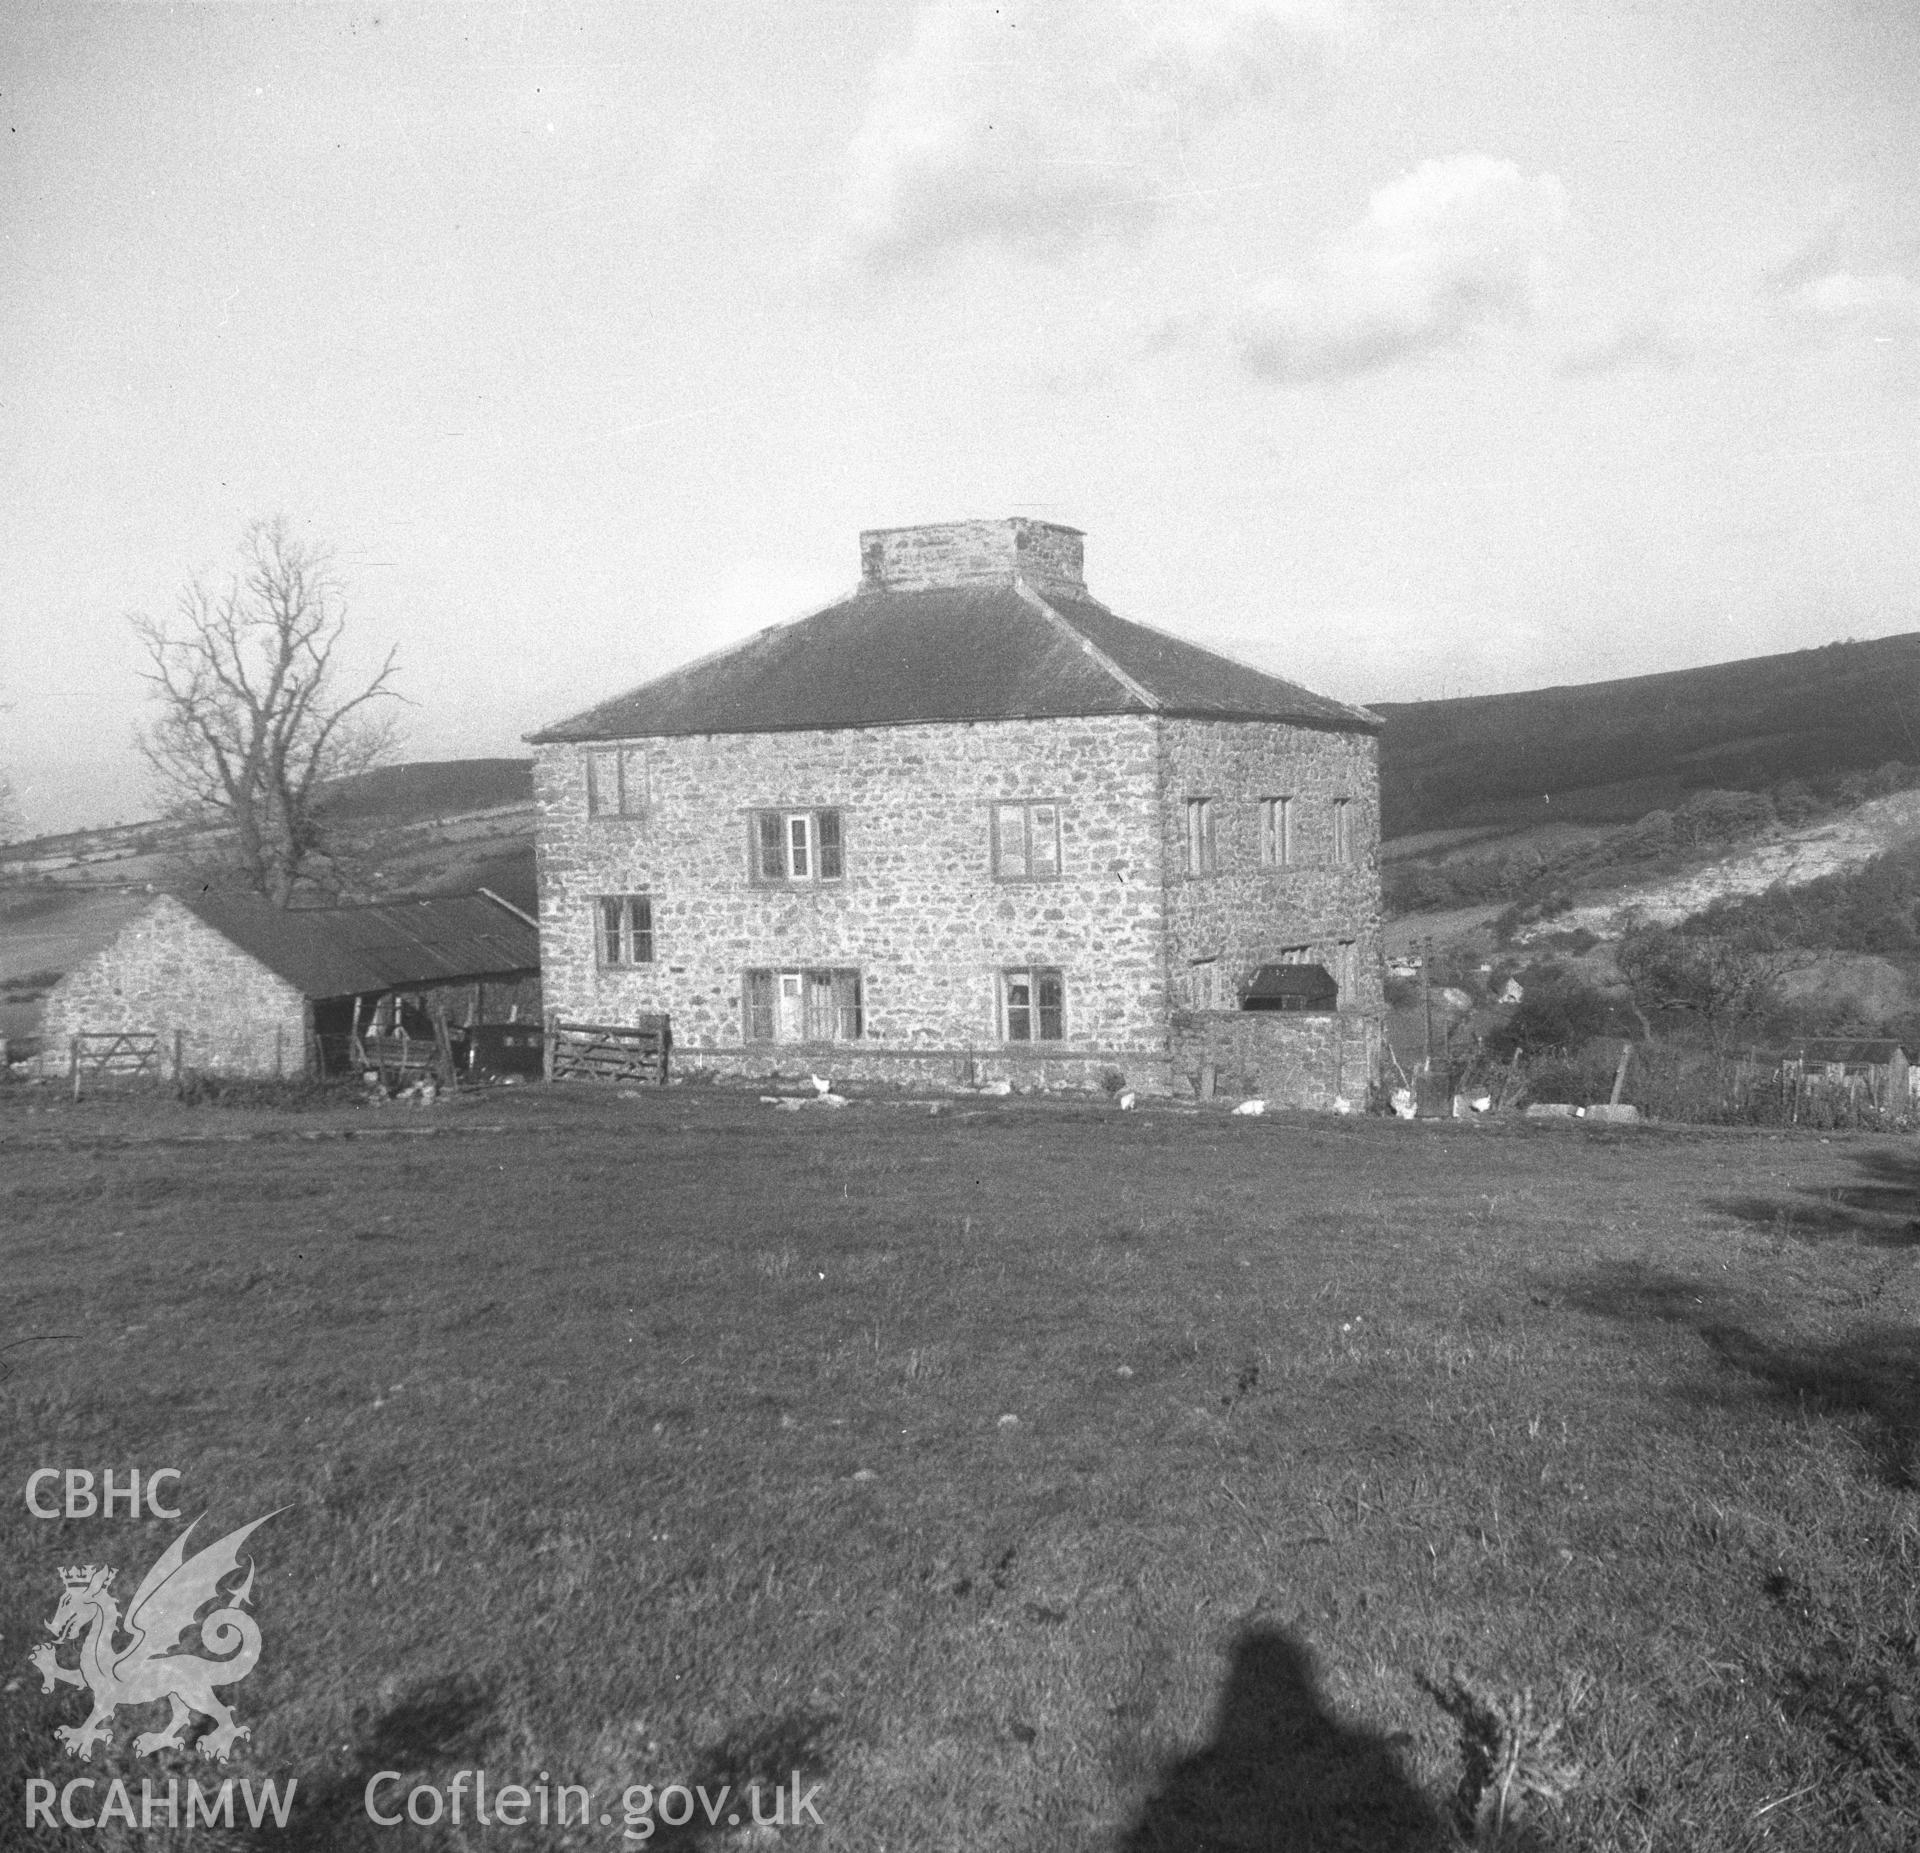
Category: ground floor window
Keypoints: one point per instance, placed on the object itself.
(623, 929)
(1033, 1004)
(804, 1006)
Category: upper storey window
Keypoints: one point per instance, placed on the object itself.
(616, 781)
(1026, 842)
(1276, 832)
(1203, 851)
(1343, 829)
(796, 846)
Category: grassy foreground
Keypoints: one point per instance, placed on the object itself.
(1022, 1476)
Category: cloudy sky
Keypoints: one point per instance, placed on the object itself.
(1408, 348)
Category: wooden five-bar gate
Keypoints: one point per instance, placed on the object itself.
(637, 1051)
(119, 1054)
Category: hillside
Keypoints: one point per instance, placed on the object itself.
(430, 788)
(1781, 858)
(1608, 752)
(1784, 860)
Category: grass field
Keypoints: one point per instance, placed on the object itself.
(1024, 1476)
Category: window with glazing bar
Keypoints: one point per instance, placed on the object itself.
(1033, 1004)
(1276, 832)
(1026, 842)
(623, 929)
(1202, 850)
(789, 847)
(616, 781)
(807, 1005)
(1343, 829)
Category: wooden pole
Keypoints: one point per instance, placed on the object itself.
(179, 1054)
(547, 1042)
(73, 1064)
(445, 1043)
(1426, 998)
(1620, 1074)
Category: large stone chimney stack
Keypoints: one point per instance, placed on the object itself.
(962, 553)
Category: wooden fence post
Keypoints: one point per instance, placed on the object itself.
(73, 1064)
(546, 1043)
(179, 1054)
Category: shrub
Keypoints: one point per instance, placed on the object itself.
(1560, 1011)
(1572, 1079)
(1793, 803)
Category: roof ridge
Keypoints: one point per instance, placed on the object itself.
(1138, 690)
(1212, 647)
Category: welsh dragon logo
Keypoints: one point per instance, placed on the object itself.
(150, 1666)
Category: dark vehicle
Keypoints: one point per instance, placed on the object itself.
(504, 1052)
(1292, 987)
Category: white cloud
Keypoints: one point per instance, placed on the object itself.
(1044, 126)
(1444, 252)
(1809, 301)
(1842, 305)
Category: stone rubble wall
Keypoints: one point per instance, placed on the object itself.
(166, 970)
(1288, 1058)
(918, 911)
(920, 915)
(1244, 914)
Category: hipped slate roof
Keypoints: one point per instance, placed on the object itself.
(886, 657)
(340, 951)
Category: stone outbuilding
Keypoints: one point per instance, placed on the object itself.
(968, 825)
(254, 989)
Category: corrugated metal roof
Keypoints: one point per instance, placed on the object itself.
(954, 653)
(1852, 1050)
(382, 946)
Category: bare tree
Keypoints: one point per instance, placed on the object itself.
(253, 726)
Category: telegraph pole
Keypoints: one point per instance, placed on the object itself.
(1425, 947)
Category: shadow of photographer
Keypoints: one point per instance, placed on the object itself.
(1281, 1774)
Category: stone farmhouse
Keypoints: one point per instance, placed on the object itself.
(254, 989)
(966, 824)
